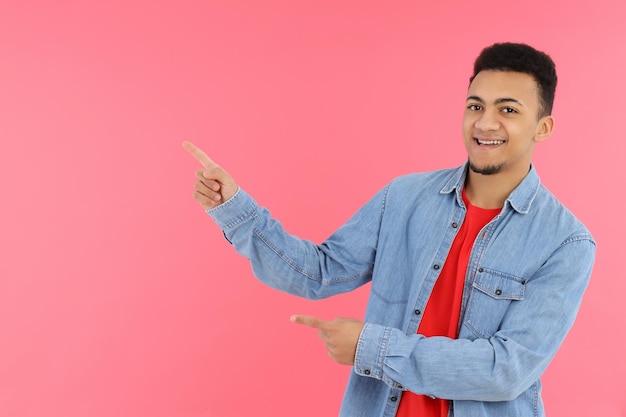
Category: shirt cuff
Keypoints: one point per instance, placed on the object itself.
(371, 350)
(233, 211)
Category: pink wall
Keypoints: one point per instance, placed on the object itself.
(119, 296)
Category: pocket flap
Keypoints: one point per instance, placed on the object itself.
(500, 285)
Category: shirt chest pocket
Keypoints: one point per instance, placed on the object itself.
(491, 295)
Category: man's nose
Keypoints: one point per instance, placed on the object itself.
(488, 120)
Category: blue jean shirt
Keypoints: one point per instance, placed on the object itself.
(525, 279)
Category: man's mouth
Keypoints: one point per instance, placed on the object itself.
(488, 142)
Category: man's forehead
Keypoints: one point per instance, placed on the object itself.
(494, 85)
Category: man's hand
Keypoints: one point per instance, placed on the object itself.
(214, 185)
(340, 336)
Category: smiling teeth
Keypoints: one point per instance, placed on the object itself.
(490, 142)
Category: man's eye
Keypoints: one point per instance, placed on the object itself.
(474, 107)
(509, 110)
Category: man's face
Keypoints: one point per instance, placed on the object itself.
(501, 122)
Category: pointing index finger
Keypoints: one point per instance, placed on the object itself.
(198, 154)
(309, 321)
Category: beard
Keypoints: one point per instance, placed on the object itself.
(487, 169)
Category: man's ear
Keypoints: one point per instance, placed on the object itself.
(545, 127)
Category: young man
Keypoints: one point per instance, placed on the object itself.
(477, 272)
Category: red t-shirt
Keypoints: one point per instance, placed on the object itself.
(441, 315)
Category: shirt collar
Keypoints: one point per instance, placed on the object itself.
(520, 199)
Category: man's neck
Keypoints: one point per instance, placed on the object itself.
(491, 191)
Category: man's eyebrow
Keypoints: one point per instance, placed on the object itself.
(508, 100)
(475, 98)
(498, 101)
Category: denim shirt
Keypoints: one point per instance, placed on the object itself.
(525, 279)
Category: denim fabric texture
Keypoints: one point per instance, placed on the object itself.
(525, 279)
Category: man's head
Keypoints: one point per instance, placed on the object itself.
(508, 106)
(517, 57)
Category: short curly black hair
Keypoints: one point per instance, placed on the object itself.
(519, 57)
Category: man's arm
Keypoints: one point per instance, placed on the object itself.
(498, 368)
(283, 261)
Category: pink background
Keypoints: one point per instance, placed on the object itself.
(119, 296)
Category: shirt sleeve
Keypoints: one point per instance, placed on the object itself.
(297, 266)
(496, 368)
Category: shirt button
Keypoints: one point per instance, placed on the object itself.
(455, 225)
(524, 282)
(417, 312)
(480, 270)
(367, 372)
(394, 399)
(498, 292)
(435, 267)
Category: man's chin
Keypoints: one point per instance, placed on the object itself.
(485, 169)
